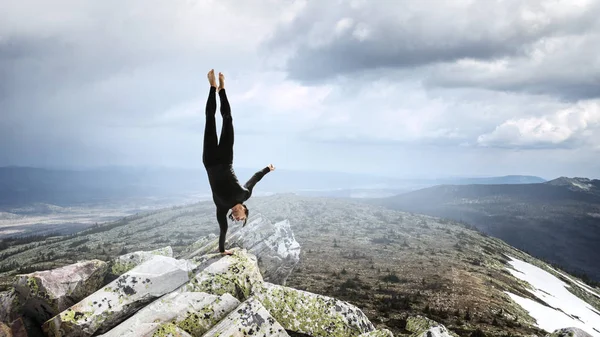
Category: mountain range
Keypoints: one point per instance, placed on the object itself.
(558, 220)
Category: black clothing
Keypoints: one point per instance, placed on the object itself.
(218, 161)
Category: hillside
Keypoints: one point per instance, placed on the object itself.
(391, 264)
(558, 220)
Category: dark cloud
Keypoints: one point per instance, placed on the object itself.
(328, 39)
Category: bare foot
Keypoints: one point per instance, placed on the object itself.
(211, 78)
(221, 81)
(227, 252)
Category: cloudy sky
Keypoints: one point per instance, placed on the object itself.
(404, 88)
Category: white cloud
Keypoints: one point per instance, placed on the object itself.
(574, 123)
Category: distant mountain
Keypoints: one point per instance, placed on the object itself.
(578, 184)
(23, 186)
(558, 220)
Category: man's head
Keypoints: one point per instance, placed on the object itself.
(239, 212)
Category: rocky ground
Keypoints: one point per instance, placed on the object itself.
(390, 264)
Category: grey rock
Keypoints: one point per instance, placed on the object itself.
(235, 274)
(275, 246)
(312, 314)
(193, 313)
(424, 327)
(249, 319)
(569, 332)
(44, 294)
(126, 262)
(107, 307)
(9, 306)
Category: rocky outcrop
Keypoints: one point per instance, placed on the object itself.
(312, 314)
(249, 319)
(234, 274)
(44, 294)
(274, 244)
(107, 307)
(126, 262)
(210, 295)
(193, 313)
(569, 332)
(424, 327)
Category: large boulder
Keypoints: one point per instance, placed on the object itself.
(124, 263)
(312, 314)
(193, 313)
(275, 245)
(9, 306)
(44, 294)
(424, 327)
(235, 274)
(107, 307)
(249, 319)
(569, 332)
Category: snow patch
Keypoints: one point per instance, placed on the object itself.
(585, 187)
(580, 284)
(564, 309)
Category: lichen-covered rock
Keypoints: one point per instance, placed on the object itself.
(199, 248)
(378, 333)
(9, 306)
(248, 319)
(107, 307)
(170, 330)
(193, 313)
(312, 314)
(569, 332)
(44, 294)
(277, 250)
(424, 327)
(234, 274)
(126, 262)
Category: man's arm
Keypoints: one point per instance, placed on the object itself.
(257, 177)
(222, 219)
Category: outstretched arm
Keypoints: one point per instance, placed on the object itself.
(222, 219)
(257, 177)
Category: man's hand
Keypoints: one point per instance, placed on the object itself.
(271, 167)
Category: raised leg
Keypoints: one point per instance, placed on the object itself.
(210, 153)
(227, 134)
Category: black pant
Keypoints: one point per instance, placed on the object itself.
(222, 152)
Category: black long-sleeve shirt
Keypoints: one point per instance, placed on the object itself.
(227, 192)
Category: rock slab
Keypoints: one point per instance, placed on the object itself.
(248, 319)
(110, 305)
(194, 313)
(312, 314)
(126, 262)
(44, 294)
(235, 274)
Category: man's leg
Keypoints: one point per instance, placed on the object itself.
(210, 153)
(226, 139)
